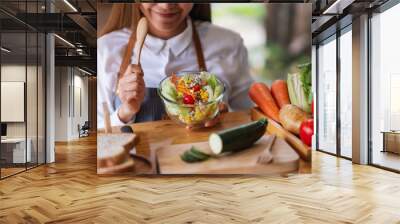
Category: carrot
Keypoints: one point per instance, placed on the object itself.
(261, 95)
(280, 92)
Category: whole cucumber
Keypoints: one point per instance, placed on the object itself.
(237, 138)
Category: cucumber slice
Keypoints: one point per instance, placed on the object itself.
(189, 158)
(198, 154)
(193, 155)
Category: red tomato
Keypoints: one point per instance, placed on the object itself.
(188, 99)
(307, 131)
(312, 107)
(196, 88)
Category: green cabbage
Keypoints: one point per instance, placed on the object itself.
(217, 91)
(300, 87)
(168, 90)
(212, 81)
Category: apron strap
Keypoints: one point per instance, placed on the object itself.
(126, 61)
(199, 50)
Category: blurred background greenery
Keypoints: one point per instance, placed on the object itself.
(277, 35)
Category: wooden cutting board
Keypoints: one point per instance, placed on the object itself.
(285, 160)
(274, 128)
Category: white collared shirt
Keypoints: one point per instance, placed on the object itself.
(224, 54)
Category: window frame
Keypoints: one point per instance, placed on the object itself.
(378, 10)
(31, 30)
(342, 27)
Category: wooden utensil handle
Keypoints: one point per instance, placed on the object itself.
(274, 128)
(107, 119)
(266, 156)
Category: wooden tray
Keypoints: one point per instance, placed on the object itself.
(274, 128)
(285, 160)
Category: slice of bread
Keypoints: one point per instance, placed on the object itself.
(112, 156)
(113, 149)
(125, 140)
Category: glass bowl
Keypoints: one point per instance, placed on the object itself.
(193, 115)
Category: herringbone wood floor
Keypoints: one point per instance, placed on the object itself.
(69, 191)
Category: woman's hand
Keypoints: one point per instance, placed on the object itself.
(223, 108)
(131, 88)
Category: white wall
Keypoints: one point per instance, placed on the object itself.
(33, 127)
(80, 102)
(71, 94)
(14, 73)
(61, 103)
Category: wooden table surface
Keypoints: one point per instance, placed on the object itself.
(156, 132)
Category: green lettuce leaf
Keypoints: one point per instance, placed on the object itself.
(306, 80)
(212, 81)
(168, 90)
(297, 93)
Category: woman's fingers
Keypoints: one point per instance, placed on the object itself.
(134, 77)
(137, 69)
(133, 69)
(223, 108)
(134, 86)
(212, 122)
(136, 94)
(132, 96)
(131, 85)
(131, 90)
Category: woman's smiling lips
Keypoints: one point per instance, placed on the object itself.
(166, 15)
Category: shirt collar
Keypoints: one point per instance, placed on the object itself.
(176, 44)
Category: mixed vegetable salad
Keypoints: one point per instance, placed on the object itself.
(192, 97)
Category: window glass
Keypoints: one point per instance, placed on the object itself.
(22, 89)
(385, 89)
(346, 94)
(31, 97)
(327, 96)
(15, 150)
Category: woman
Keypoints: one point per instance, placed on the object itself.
(180, 38)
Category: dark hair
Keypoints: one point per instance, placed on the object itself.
(201, 11)
(128, 15)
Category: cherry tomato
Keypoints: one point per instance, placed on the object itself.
(188, 99)
(307, 131)
(196, 88)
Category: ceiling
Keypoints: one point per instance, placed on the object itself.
(332, 15)
(76, 20)
(72, 20)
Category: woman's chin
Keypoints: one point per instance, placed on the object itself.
(164, 25)
(167, 28)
